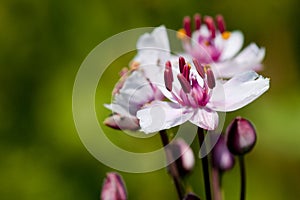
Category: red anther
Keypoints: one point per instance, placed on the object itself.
(186, 87)
(199, 68)
(187, 26)
(186, 72)
(210, 79)
(197, 19)
(221, 23)
(181, 63)
(209, 21)
(168, 76)
(168, 65)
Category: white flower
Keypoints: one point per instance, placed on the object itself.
(134, 90)
(196, 96)
(219, 47)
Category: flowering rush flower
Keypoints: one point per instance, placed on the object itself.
(134, 89)
(196, 96)
(216, 46)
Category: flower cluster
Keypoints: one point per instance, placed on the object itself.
(161, 90)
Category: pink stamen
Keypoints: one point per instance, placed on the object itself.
(187, 26)
(210, 25)
(186, 87)
(181, 63)
(221, 23)
(197, 19)
(199, 68)
(168, 76)
(210, 79)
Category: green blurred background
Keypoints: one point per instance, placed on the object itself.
(42, 45)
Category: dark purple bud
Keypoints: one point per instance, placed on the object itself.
(186, 87)
(211, 82)
(199, 68)
(191, 196)
(221, 23)
(113, 187)
(181, 63)
(197, 19)
(209, 21)
(185, 163)
(119, 122)
(222, 159)
(241, 136)
(187, 26)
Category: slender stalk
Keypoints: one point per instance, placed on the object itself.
(216, 184)
(172, 167)
(205, 166)
(243, 177)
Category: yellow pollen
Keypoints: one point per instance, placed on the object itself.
(226, 35)
(134, 65)
(206, 67)
(207, 43)
(181, 34)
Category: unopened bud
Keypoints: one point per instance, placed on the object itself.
(241, 136)
(185, 163)
(119, 122)
(113, 187)
(222, 159)
(191, 196)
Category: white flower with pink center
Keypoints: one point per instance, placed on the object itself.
(196, 96)
(214, 45)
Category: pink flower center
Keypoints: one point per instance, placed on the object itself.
(204, 49)
(191, 93)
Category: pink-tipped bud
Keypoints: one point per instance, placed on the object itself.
(191, 196)
(221, 23)
(199, 68)
(186, 87)
(113, 187)
(209, 21)
(187, 26)
(241, 136)
(222, 159)
(181, 63)
(168, 76)
(119, 122)
(197, 19)
(211, 82)
(185, 163)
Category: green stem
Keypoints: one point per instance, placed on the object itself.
(172, 167)
(243, 177)
(205, 166)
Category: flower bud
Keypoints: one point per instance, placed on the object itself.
(119, 122)
(241, 136)
(113, 187)
(222, 159)
(191, 196)
(185, 163)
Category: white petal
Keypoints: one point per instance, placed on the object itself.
(161, 115)
(248, 59)
(239, 91)
(135, 93)
(231, 46)
(205, 118)
(153, 48)
(250, 54)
